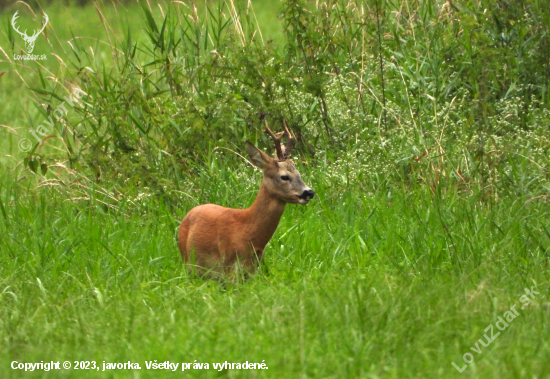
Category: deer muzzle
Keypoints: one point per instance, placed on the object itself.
(306, 196)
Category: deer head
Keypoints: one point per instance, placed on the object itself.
(281, 178)
(29, 40)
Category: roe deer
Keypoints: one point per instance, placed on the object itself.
(217, 239)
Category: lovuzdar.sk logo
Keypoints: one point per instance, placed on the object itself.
(29, 40)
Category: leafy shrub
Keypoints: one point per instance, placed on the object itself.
(432, 92)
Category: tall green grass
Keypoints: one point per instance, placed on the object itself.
(394, 284)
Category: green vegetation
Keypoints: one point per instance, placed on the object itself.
(422, 127)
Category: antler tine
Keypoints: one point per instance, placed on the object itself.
(291, 140)
(277, 140)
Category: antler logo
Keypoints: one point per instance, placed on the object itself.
(29, 40)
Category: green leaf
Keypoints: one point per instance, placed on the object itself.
(33, 165)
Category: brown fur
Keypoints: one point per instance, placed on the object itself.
(218, 239)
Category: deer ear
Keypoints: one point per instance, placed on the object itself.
(259, 158)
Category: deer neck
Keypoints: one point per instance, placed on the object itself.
(263, 216)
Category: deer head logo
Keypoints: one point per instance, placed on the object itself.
(29, 40)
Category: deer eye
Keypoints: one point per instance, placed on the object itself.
(285, 177)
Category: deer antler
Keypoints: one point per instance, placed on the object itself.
(283, 152)
(37, 32)
(15, 17)
(277, 140)
(290, 141)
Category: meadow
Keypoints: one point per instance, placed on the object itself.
(423, 128)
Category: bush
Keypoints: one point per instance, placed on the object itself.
(432, 92)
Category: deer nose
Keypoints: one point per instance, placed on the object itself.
(307, 194)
